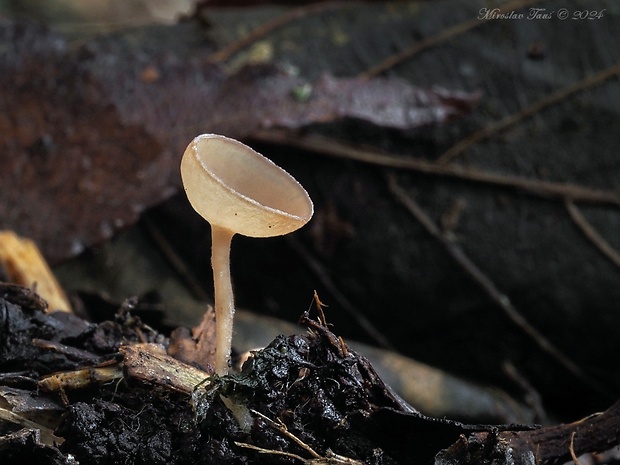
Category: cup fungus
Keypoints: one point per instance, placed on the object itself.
(238, 191)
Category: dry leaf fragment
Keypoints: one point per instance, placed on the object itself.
(22, 263)
(196, 348)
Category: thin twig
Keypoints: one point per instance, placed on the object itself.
(264, 29)
(262, 450)
(437, 39)
(280, 426)
(533, 398)
(330, 458)
(591, 233)
(177, 263)
(545, 189)
(489, 287)
(571, 448)
(344, 303)
(319, 308)
(527, 112)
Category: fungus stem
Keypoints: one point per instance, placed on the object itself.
(224, 303)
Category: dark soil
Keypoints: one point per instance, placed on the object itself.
(307, 396)
(107, 393)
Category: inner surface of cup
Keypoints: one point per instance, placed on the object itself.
(236, 187)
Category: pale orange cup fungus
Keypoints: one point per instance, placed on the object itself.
(238, 191)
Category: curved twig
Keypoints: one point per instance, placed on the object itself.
(527, 112)
(591, 233)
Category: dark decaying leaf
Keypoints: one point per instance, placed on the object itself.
(72, 341)
(90, 137)
(596, 433)
(65, 150)
(25, 446)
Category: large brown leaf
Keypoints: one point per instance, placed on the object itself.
(92, 136)
(73, 171)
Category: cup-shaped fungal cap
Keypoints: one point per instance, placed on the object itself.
(234, 187)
